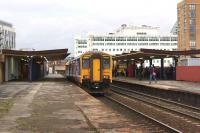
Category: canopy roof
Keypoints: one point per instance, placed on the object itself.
(57, 54)
(145, 54)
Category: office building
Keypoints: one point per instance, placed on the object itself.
(129, 38)
(7, 35)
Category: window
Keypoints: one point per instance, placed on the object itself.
(192, 6)
(120, 39)
(141, 33)
(153, 39)
(98, 38)
(94, 49)
(110, 44)
(121, 44)
(142, 39)
(82, 46)
(192, 44)
(173, 38)
(82, 41)
(86, 63)
(98, 44)
(106, 62)
(165, 39)
(132, 44)
(165, 44)
(143, 44)
(110, 39)
(78, 66)
(131, 38)
(192, 14)
(192, 30)
(153, 43)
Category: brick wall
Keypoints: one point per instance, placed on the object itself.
(188, 73)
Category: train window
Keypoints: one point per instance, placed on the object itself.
(78, 67)
(86, 63)
(106, 63)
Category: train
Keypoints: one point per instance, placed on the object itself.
(91, 70)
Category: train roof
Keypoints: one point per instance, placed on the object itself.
(91, 52)
(94, 52)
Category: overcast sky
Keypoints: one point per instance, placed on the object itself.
(50, 24)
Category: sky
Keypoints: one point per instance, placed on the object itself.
(53, 24)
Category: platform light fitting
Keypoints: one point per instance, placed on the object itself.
(152, 56)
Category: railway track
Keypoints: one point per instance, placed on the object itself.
(183, 118)
(185, 110)
(147, 123)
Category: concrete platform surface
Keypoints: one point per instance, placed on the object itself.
(185, 86)
(59, 107)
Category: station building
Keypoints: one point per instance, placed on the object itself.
(28, 65)
(129, 38)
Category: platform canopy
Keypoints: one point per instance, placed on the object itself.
(50, 55)
(145, 54)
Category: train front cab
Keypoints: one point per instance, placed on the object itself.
(96, 71)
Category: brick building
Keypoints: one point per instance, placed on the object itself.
(188, 13)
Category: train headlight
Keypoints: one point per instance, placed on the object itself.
(86, 77)
(106, 76)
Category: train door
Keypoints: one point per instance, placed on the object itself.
(96, 70)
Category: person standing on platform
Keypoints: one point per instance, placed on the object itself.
(140, 72)
(152, 74)
(126, 70)
(115, 72)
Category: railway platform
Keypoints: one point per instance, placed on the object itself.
(181, 91)
(183, 86)
(57, 107)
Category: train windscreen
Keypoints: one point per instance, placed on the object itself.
(86, 63)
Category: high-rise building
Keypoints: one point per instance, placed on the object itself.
(7, 35)
(80, 46)
(128, 38)
(188, 13)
